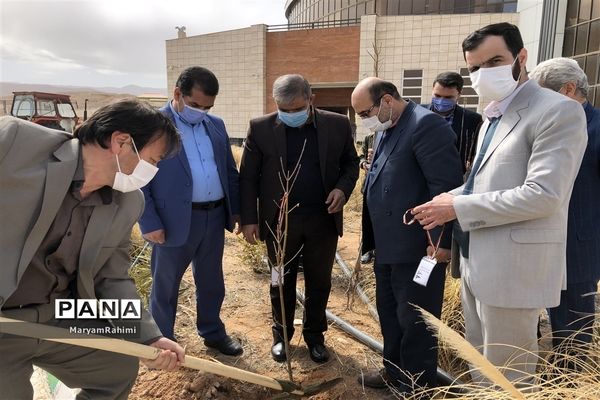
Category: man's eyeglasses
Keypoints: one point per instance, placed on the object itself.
(365, 114)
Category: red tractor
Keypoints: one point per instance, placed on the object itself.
(48, 109)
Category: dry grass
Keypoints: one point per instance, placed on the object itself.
(140, 253)
(254, 256)
(237, 154)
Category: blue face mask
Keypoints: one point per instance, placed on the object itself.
(192, 115)
(443, 105)
(295, 119)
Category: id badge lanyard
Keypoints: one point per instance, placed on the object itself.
(428, 262)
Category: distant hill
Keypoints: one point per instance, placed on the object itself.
(6, 89)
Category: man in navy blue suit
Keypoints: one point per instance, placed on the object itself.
(575, 314)
(189, 204)
(415, 159)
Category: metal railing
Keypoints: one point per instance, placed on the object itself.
(314, 25)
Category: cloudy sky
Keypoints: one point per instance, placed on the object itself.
(110, 42)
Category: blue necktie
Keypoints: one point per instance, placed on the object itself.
(487, 139)
(463, 237)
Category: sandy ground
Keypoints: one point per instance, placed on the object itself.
(246, 313)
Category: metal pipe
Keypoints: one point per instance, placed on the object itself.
(359, 290)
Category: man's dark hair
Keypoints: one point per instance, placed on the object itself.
(143, 122)
(200, 78)
(509, 32)
(380, 88)
(450, 80)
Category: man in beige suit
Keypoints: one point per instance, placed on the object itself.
(67, 206)
(512, 210)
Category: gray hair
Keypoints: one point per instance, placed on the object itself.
(288, 88)
(556, 72)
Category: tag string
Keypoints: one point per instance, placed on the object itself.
(435, 247)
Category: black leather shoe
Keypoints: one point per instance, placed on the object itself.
(278, 352)
(318, 353)
(228, 346)
(377, 379)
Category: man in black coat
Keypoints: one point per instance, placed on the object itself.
(445, 95)
(321, 143)
(415, 159)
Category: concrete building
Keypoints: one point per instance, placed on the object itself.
(336, 43)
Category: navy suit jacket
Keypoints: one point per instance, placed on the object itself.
(169, 195)
(583, 235)
(465, 124)
(415, 163)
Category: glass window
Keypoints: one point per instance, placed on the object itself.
(572, 8)
(352, 12)
(446, 6)
(345, 13)
(65, 110)
(393, 7)
(433, 7)
(23, 106)
(411, 91)
(594, 36)
(419, 7)
(469, 99)
(413, 73)
(404, 8)
(371, 7)
(591, 69)
(581, 62)
(569, 43)
(461, 6)
(46, 108)
(510, 7)
(582, 39)
(585, 10)
(596, 9)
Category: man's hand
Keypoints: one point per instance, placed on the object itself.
(336, 201)
(436, 212)
(442, 255)
(157, 236)
(237, 223)
(250, 233)
(172, 356)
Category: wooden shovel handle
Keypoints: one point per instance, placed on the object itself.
(60, 335)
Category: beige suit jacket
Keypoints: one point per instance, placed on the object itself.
(517, 214)
(36, 169)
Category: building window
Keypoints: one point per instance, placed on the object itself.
(468, 98)
(582, 41)
(412, 84)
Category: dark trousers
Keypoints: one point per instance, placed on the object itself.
(204, 249)
(573, 319)
(315, 236)
(409, 348)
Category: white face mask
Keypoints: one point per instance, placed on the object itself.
(495, 83)
(374, 124)
(141, 175)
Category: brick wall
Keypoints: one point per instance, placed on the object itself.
(321, 55)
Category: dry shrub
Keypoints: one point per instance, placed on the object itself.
(354, 203)
(564, 374)
(453, 317)
(254, 256)
(237, 154)
(140, 253)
